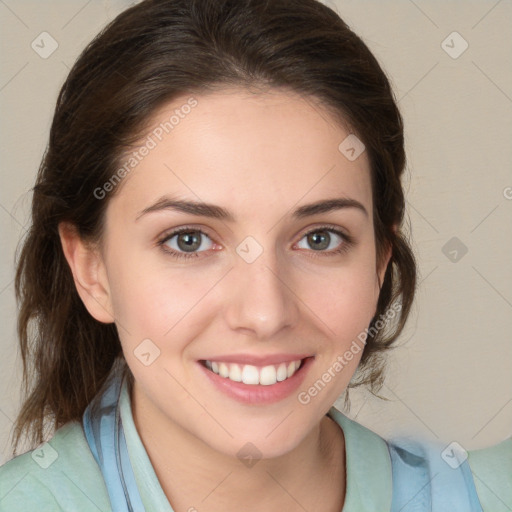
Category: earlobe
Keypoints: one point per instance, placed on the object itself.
(384, 267)
(381, 271)
(88, 270)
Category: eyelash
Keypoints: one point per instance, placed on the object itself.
(347, 242)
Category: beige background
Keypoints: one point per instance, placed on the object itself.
(452, 378)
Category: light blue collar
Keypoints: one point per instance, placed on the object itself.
(104, 433)
(421, 480)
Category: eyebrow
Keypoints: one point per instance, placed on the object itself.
(217, 212)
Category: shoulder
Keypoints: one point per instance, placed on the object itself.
(492, 472)
(368, 466)
(413, 472)
(479, 480)
(58, 475)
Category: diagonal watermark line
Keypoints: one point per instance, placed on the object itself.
(485, 15)
(6, 286)
(484, 218)
(424, 14)
(428, 483)
(497, 291)
(1, 411)
(490, 490)
(15, 75)
(197, 195)
(296, 296)
(428, 275)
(501, 408)
(88, 497)
(11, 215)
(286, 491)
(207, 292)
(422, 216)
(106, 310)
(420, 80)
(491, 80)
(298, 201)
(14, 486)
(280, 423)
(216, 487)
(13, 13)
(200, 404)
(76, 14)
(399, 399)
(360, 409)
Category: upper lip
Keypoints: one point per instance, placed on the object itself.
(257, 360)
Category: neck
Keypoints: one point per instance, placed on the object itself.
(193, 474)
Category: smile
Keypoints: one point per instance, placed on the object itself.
(252, 381)
(254, 375)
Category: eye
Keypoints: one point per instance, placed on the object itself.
(324, 239)
(186, 242)
(189, 242)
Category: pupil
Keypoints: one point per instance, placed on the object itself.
(321, 239)
(189, 241)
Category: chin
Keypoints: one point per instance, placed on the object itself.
(263, 441)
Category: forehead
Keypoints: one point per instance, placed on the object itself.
(246, 151)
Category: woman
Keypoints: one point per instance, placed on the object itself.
(215, 254)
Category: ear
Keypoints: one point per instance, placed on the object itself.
(381, 271)
(89, 274)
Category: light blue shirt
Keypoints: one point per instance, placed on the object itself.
(62, 475)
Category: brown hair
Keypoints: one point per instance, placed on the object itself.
(150, 54)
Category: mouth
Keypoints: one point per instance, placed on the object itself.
(254, 375)
(257, 383)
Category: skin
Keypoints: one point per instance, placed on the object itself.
(261, 156)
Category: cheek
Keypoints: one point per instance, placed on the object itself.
(345, 301)
(151, 300)
(154, 299)
(344, 304)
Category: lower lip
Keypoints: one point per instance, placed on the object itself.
(257, 393)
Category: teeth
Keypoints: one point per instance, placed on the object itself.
(250, 375)
(268, 376)
(223, 370)
(253, 375)
(235, 373)
(282, 373)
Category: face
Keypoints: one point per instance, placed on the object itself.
(258, 279)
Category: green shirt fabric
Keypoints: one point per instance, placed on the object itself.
(62, 475)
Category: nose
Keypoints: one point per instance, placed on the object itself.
(261, 301)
